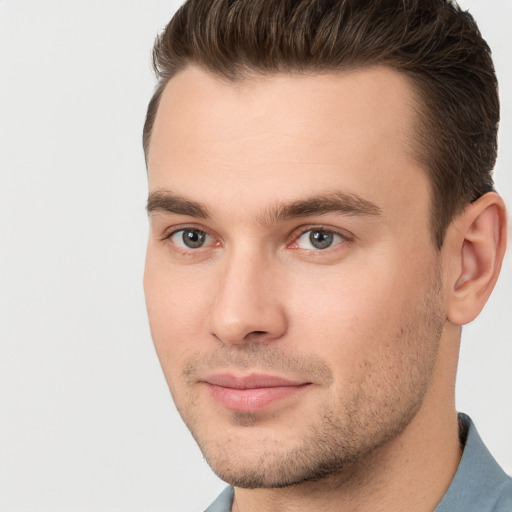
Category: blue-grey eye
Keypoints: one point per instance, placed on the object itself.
(318, 239)
(189, 238)
(321, 239)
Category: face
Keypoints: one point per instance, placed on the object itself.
(293, 289)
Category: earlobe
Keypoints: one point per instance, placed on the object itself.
(476, 245)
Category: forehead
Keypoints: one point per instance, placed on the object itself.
(283, 135)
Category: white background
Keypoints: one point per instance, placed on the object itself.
(86, 421)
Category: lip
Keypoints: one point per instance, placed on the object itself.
(251, 393)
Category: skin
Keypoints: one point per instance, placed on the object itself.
(364, 325)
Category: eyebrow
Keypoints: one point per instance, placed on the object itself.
(161, 201)
(333, 202)
(321, 204)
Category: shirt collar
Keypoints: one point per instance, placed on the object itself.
(479, 481)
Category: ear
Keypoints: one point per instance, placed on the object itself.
(475, 244)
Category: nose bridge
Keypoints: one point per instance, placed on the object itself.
(247, 301)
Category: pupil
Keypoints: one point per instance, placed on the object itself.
(321, 239)
(193, 239)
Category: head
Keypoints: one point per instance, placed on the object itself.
(321, 225)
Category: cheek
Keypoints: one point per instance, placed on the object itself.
(353, 319)
(176, 310)
(344, 303)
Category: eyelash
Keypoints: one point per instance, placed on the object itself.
(343, 238)
(185, 250)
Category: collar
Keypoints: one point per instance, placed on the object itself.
(479, 485)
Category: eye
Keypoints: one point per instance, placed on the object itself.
(318, 239)
(190, 238)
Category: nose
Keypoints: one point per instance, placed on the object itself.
(247, 306)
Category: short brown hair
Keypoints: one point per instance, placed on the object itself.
(433, 42)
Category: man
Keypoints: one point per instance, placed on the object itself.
(323, 222)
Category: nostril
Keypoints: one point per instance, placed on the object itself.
(257, 336)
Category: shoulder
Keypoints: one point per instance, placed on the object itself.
(504, 502)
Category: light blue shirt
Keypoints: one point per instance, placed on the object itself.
(479, 485)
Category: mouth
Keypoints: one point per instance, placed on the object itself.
(251, 393)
